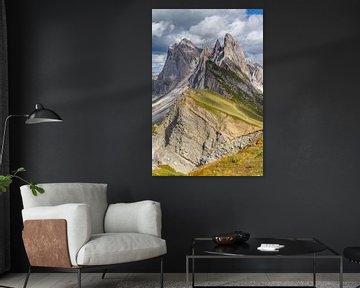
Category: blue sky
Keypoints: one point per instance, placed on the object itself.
(255, 11)
(203, 27)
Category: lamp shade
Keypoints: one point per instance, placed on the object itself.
(42, 115)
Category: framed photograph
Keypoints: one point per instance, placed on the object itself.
(207, 92)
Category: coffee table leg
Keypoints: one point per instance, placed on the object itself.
(193, 272)
(187, 272)
(341, 273)
(314, 271)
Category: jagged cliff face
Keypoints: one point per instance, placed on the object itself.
(226, 72)
(256, 75)
(190, 132)
(231, 52)
(192, 135)
(198, 77)
(223, 69)
(181, 61)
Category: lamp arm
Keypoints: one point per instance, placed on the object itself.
(4, 134)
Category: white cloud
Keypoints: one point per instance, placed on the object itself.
(158, 58)
(210, 26)
(158, 28)
(255, 22)
(255, 36)
(236, 28)
(204, 26)
(158, 61)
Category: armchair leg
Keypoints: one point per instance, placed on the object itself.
(161, 273)
(79, 277)
(27, 277)
(103, 275)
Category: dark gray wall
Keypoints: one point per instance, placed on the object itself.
(4, 166)
(91, 61)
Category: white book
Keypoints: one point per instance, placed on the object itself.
(270, 247)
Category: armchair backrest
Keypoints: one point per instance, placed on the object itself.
(55, 194)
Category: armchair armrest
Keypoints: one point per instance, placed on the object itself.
(77, 217)
(138, 217)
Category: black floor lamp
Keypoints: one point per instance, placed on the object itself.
(39, 115)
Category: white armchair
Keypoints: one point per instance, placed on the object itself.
(72, 228)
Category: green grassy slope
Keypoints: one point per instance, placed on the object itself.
(247, 162)
(216, 102)
(165, 170)
(154, 129)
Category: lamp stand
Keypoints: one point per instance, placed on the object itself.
(4, 135)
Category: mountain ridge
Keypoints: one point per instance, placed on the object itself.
(186, 67)
(207, 104)
(195, 134)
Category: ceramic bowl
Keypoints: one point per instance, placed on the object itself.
(225, 239)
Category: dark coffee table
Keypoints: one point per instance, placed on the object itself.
(295, 248)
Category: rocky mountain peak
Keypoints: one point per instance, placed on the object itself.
(228, 40)
(234, 52)
(185, 42)
(197, 80)
(189, 66)
(217, 46)
(181, 60)
(227, 57)
(231, 52)
(206, 52)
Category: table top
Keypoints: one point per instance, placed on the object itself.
(292, 247)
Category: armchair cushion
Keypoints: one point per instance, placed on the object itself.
(113, 248)
(92, 194)
(78, 221)
(138, 217)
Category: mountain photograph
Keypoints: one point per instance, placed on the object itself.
(207, 92)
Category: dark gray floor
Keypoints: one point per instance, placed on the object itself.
(121, 280)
